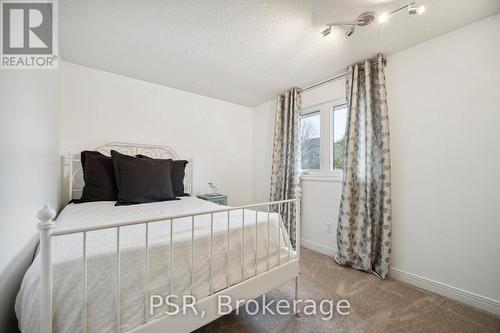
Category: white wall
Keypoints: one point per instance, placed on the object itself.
(29, 173)
(445, 141)
(263, 132)
(100, 107)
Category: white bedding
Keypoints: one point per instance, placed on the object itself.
(101, 261)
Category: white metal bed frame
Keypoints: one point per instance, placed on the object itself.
(246, 289)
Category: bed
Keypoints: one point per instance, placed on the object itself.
(99, 265)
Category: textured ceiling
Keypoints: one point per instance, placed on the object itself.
(243, 51)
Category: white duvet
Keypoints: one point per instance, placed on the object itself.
(101, 261)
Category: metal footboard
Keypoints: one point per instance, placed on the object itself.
(46, 216)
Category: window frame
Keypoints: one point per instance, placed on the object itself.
(332, 151)
(326, 109)
(312, 112)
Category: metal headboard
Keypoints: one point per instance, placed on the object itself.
(75, 173)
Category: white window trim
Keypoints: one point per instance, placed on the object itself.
(324, 173)
(331, 176)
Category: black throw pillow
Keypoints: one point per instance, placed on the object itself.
(177, 175)
(141, 180)
(99, 177)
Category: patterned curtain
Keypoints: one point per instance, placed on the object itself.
(285, 168)
(364, 228)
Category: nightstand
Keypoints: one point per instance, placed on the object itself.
(220, 199)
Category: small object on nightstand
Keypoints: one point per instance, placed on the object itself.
(218, 198)
(213, 188)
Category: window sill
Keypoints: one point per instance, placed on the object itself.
(318, 176)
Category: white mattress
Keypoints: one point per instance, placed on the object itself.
(101, 261)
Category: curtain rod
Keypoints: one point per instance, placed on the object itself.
(333, 78)
(320, 83)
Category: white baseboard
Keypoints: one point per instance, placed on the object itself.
(467, 297)
(323, 249)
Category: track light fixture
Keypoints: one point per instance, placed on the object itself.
(413, 9)
(369, 17)
(349, 32)
(327, 31)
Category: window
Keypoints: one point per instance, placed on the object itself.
(309, 138)
(338, 118)
(323, 130)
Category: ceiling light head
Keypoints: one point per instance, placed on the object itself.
(383, 17)
(327, 31)
(349, 32)
(413, 9)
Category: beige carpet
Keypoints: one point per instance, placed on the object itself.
(377, 306)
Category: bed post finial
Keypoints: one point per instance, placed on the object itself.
(46, 216)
